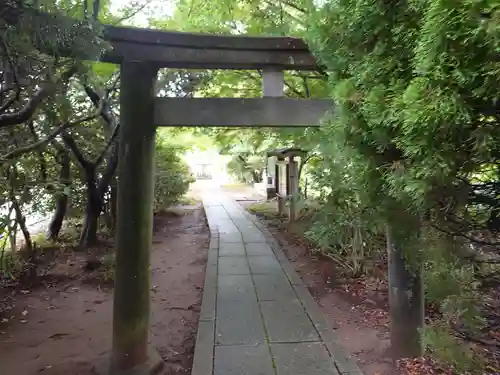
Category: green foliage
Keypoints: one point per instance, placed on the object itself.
(345, 224)
(248, 152)
(448, 349)
(416, 125)
(172, 175)
(108, 267)
(43, 56)
(267, 209)
(415, 130)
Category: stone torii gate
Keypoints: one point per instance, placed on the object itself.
(141, 112)
(140, 54)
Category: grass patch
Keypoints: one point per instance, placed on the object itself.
(189, 201)
(268, 209)
(108, 267)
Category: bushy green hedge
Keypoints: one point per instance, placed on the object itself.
(172, 175)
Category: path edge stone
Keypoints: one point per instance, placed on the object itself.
(203, 360)
(345, 365)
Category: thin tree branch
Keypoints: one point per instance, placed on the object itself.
(136, 11)
(101, 156)
(25, 113)
(108, 174)
(306, 87)
(8, 88)
(71, 144)
(43, 142)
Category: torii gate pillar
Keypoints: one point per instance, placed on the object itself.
(131, 352)
(273, 85)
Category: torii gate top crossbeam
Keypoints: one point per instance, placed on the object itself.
(169, 49)
(203, 51)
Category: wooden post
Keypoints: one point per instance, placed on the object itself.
(281, 201)
(273, 83)
(271, 177)
(135, 218)
(406, 302)
(287, 174)
(294, 188)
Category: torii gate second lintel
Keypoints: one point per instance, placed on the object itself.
(246, 112)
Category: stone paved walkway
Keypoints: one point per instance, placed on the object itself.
(257, 317)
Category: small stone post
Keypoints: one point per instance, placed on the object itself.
(281, 193)
(271, 177)
(134, 221)
(293, 178)
(273, 83)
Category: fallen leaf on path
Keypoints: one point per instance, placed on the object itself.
(57, 335)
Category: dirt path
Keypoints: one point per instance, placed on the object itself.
(61, 329)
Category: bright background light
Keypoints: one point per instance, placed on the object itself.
(153, 9)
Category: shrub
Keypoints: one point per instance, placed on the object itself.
(172, 176)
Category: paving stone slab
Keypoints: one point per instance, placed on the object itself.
(287, 267)
(203, 356)
(236, 216)
(213, 255)
(253, 236)
(227, 227)
(215, 212)
(287, 321)
(315, 314)
(345, 364)
(243, 360)
(303, 359)
(232, 248)
(258, 249)
(230, 233)
(264, 264)
(214, 242)
(236, 288)
(244, 224)
(208, 301)
(273, 287)
(239, 323)
(233, 266)
(230, 237)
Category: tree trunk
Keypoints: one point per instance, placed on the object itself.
(88, 236)
(62, 198)
(31, 270)
(113, 202)
(257, 176)
(96, 192)
(21, 221)
(406, 302)
(108, 180)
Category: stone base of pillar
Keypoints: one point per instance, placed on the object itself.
(153, 366)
